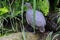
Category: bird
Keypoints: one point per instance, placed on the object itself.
(40, 21)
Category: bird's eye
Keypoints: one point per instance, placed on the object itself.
(24, 2)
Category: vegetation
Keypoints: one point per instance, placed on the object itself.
(13, 10)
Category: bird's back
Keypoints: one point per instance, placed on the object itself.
(39, 18)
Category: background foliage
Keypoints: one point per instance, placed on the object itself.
(14, 9)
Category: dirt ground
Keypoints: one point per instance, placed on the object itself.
(29, 36)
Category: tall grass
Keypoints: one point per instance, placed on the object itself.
(22, 28)
(34, 14)
(13, 11)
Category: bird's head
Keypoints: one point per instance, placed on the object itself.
(28, 5)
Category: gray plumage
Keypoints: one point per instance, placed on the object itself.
(40, 21)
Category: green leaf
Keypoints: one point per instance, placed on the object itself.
(49, 37)
(58, 20)
(55, 36)
(44, 6)
(3, 10)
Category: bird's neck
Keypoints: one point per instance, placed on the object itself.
(29, 7)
